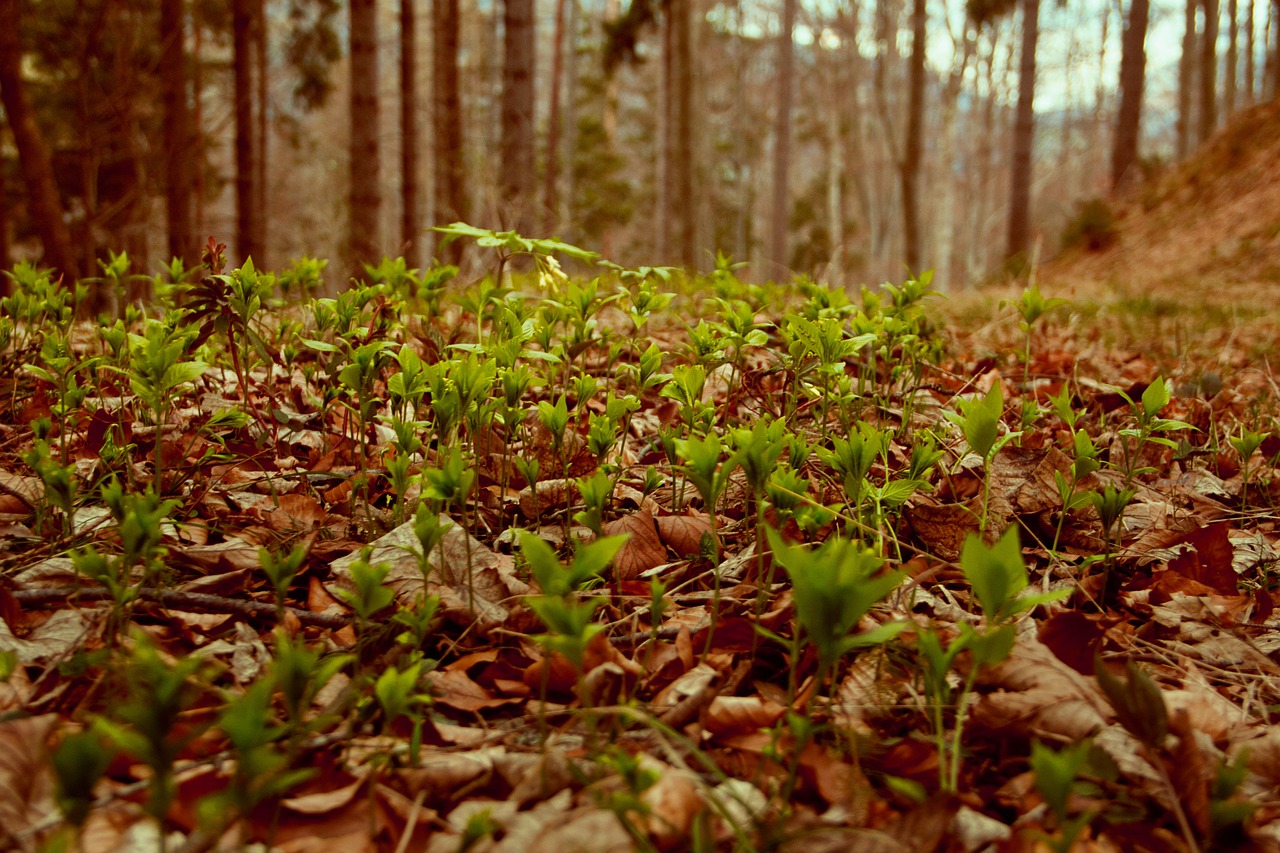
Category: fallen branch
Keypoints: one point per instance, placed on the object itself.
(192, 602)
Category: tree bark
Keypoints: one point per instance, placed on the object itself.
(516, 175)
(5, 261)
(913, 145)
(261, 134)
(364, 245)
(248, 226)
(33, 153)
(780, 210)
(1024, 135)
(1186, 80)
(1250, 68)
(1133, 68)
(449, 168)
(683, 161)
(551, 186)
(409, 133)
(1233, 58)
(1209, 71)
(177, 133)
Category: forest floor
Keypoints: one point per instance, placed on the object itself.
(637, 563)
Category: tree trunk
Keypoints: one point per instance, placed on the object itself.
(1133, 68)
(551, 187)
(33, 153)
(1233, 58)
(1273, 52)
(780, 210)
(664, 229)
(409, 133)
(516, 149)
(449, 168)
(683, 165)
(1250, 68)
(364, 245)
(261, 68)
(197, 125)
(6, 261)
(1024, 135)
(1186, 80)
(248, 226)
(1209, 71)
(177, 133)
(913, 145)
(946, 203)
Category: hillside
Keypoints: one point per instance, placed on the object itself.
(1205, 230)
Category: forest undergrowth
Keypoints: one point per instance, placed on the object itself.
(626, 559)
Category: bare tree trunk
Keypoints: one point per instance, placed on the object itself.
(1273, 52)
(5, 261)
(409, 133)
(665, 228)
(197, 123)
(683, 164)
(1186, 80)
(248, 226)
(449, 167)
(517, 166)
(364, 244)
(551, 185)
(177, 133)
(1133, 68)
(569, 137)
(1250, 68)
(946, 204)
(1233, 58)
(780, 210)
(33, 153)
(1024, 135)
(913, 145)
(1209, 71)
(609, 124)
(261, 138)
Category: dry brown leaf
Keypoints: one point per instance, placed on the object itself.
(26, 785)
(1040, 696)
(673, 801)
(642, 551)
(683, 533)
(730, 715)
(455, 689)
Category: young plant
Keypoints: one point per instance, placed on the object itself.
(1151, 428)
(144, 721)
(1031, 306)
(1056, 776)
(998, 578)
(833, 587)
(1246, 444)
(159, 365)
(979, 420)
(567, 616)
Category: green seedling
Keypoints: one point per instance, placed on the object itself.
(370, 596)
(262, 768)
(979, 420)
(1246, 444)
(1140, 707)
(834, 586)
(300, 673)
(1031, 306)
(1110, 505)
(158, 367)
(998, 578)
(144, 721)
(1056, 775)
(596, 493)
(281, 569)
(709, 475)
(1085, 463)
(686, 387)
(1151, 428)
(399, 695)
(79, 761)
